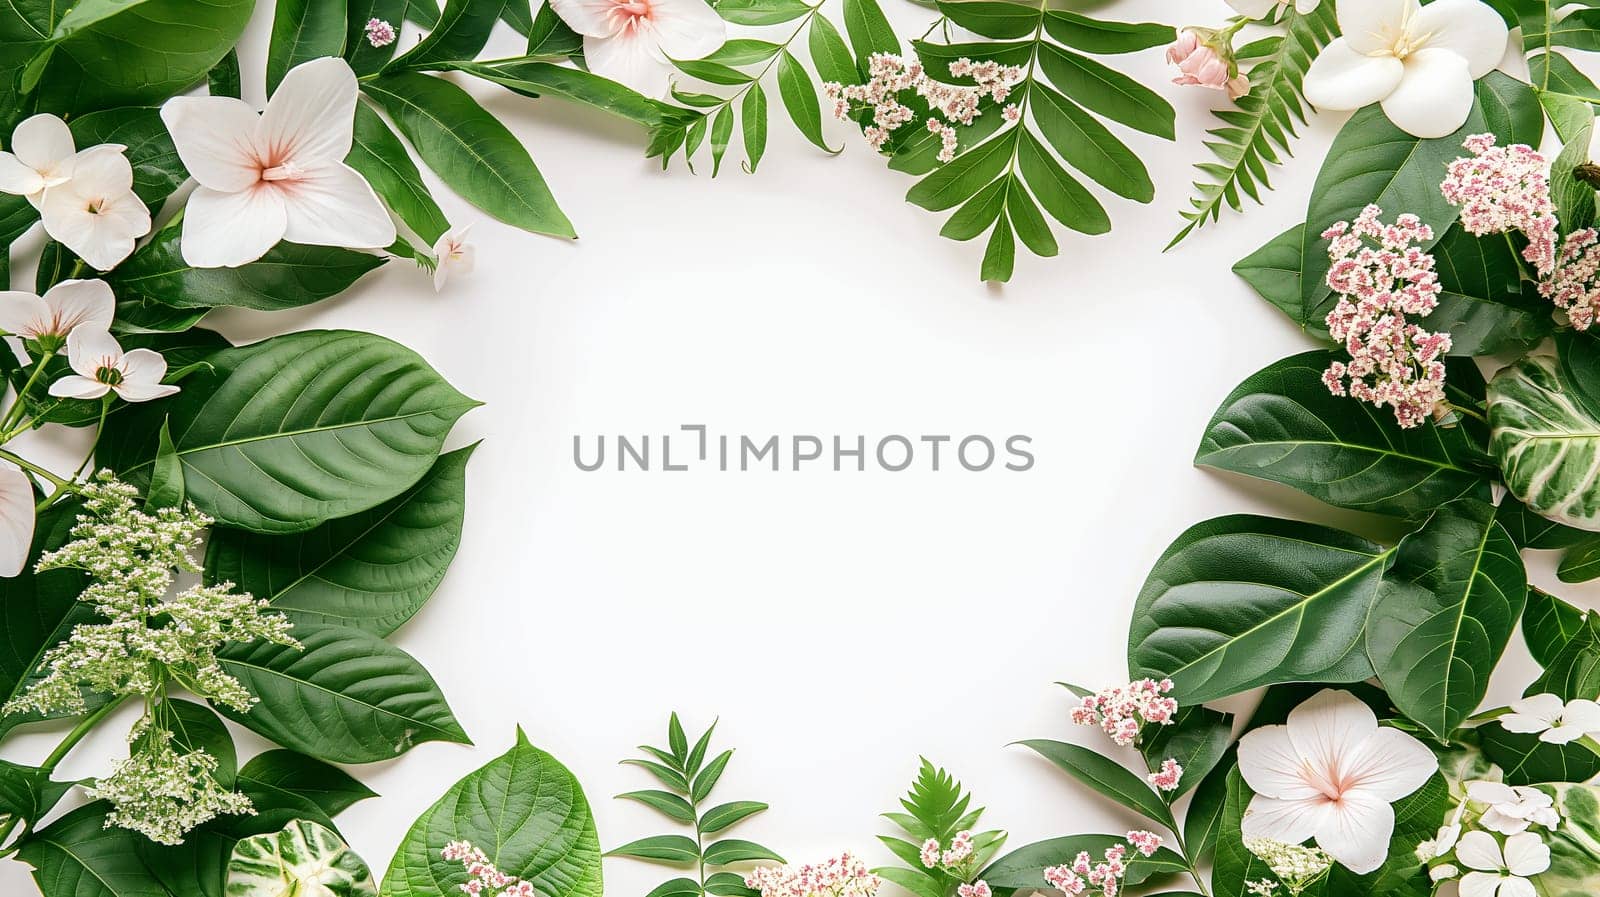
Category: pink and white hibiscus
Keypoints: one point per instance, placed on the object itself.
(633, 42)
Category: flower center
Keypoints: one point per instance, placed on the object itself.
(109, 374)
(94, 206)
(631, 12)
(288, 171)
(1402, 40)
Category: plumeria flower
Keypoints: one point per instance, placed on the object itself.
(1418, 61)
(1513, 809)
(101, 367)
(1501, 872)
(1258, 9)
(41, 157)
(16, 519)
(49, 318)
(633, 42)
(1557, 722)
(275, 176)
(95, 213)
(452, 254)
(1332, 774)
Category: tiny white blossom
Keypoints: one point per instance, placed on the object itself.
(1555, 721)
(452, 255)
(101, 367)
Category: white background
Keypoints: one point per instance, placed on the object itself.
(838, 624)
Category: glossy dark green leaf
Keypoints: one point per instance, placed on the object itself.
(1484, 307)
(1096, 36)
(77, 856)
(1580, 563)
(1000, 256)
(1273, 271)
(1106, 776)
(676, 850)
(364, 58)
(707, 778)
(463, 29)
(1061, 195)
(166, 476)
(979, 213)
(1549, 624)
(1203, 818)
(38, 611)
(157, 171)
(1024, 867)
(1526, 760)
(27, 792)
(1000, 19)
(303, 30)
(1529, 530)
(1198, 738)
(829, 53)
(547, 79)
(1574, 672)
(224, 80)
(1028, 221)
(721, 134)
(382, 159)
(550, 37)
(329, 788)
(960, 180)
(668, 776)
(869, 29)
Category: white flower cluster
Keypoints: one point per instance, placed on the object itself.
(163, 793)
(1297, 867)
(1494, 835)
(148, 638)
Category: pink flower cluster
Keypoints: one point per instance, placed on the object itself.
(1123, 711)
(380, 33)
(1381, 278)
(485, 878)
(1574, 282)
(979, 888)
(889, 76)
(841, 876)
(1502, 189)
(1147, 843)
(960, 851)
(1084, 873)
(1167, 777)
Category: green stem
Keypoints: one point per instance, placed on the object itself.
(60, 753)
(36, 470)
(782, 48)
(16, 411)
(100, 428)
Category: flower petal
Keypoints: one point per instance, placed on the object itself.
(1526, 854)
(1492, 792)
(1562, 734)
(1582, 714)
(1480, 850)
(1289, 821)
(16, 520)
(42, 141)
(1435, 96)
(1481, 884)
(1373, 25)
(1517, 887)
(1391, 764)
(89, 349)
(73, 386)
(1357, 831)
(1253, 9)
(18, 179)
(22, 314)
(102, 170)
(1344, 79)
(1469, 28)
(72, 303)
(590, 18)
(687, 29)
(143, 366)
(333, 205)
(630, 59)
(102, 238)
(215, 137)
(311, 117)
(1329, 728)
(1545, 708)
(144, 392)
(1271, 765)
(226, 230)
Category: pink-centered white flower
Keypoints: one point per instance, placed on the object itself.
(16, 519)
(1556, 721)
(1501, 871)
(633, 42)
(452, 255)
(277, 175)
(41, 157)
(48, 319)
(100, 366)
(1418, 61)
(1331, 774)
(95, 212)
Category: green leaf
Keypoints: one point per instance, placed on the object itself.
(868, 28)
(1088, 146)
(369, 411)
(676, 850)
(1444, 614)
(364, 58)
(462, 31)
(1282, 424)
(677, 887)
(724, 815)
(668, 776)
(326, 787)
(382, 159)
(721, 134)
(697, 754)
(829, 53)
(1108, 777)
(1000, 256)
(960, 180)
(77, 856)
(732, 850)
(1095, 36)
(670, 804)
(1526, 760)
(1063, 197)
(1545, 432)
(1198, 738)
(525, 810)
(157, 171)
(166, 477)
(224, 80)
(346, 697)
(536, 77)
(742, 51)
(303, 30)
(728, 884)
(372, 570)
(38, 611)
(1484, 307)
(1243, 601)
(273, 864)
(1273, 271)
(471, 151)
(1024, 867)
(753, 120)
(1203, 819)
(1580, 563)
(1000, 19)
(799, 97)
(677, 739)
(1108, 92)
(1574, 673)
(707, 778)
(1549, 624)
(761, 12)
(1529, 530)
(27, 792)
(714, 72)
(1027, 221)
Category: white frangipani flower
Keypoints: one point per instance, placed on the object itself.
(1513, 809)
(95, 212)
(16, 519)
(41, 157)
(1332, 774)
(101, 367)
(279, 175)
(1556, 721)
(49, 318)
(1418, 61)
(1258, 9)
(452, 254)
(1501, 872)
(633, 42)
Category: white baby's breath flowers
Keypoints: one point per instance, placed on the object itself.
(163, 792)
(1296, 866)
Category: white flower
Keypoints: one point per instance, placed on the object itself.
(102, 367)
(95, 212)
(16, 519)
(1556, 722)
(632, 41)
(1501, 873)
(41, 157)
(1258, 9)
(452, 253)
(1331, 774)
(275, 176)
(49, 318)
(1443, 873)
(1418, 61)
(1513, 809)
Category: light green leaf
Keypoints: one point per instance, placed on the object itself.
(753, 121)
(830, 54)
(799, 97)
(868, 28)
(166, 477)
(669, 804)
(1108, 777)
(676, 850)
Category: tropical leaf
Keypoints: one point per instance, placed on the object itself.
(302, 858)
(1544, 417)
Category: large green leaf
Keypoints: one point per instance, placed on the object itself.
(1444, 614)
(77, 856)
(346, 696)
(38, 611)
(288, 433)
(1574, 672)
(371, 570)
(364, 57)
(470, 150)
(535, 77)
(330, 789)
(303, 30)
(27, 792)
(1283, 425)
(1198, 738)
(1549, 624)
(1484, 306)
(1545, 432)
(525, 810)
(1240, 602)
(1526, 760)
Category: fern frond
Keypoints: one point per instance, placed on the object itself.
(937, 802)
(1256, 133)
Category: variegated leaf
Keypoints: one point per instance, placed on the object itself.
(1545, 434)
(304, 860)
